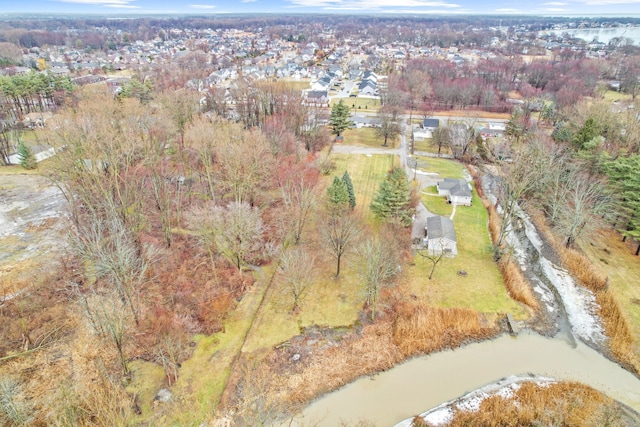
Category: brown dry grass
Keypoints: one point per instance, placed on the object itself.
(516, 283)
(69, 383)
(616, 326)
(372, 351)
(562, 403)
(419, 328)
(412, 328)
(494, 220)
(471, 114)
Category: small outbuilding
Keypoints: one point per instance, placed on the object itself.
(440, 236)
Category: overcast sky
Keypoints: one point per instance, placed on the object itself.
(537, 7)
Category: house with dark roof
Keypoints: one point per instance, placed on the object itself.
(440, 236)
(430, 124)
(456, 191)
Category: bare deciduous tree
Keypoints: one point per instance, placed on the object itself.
(299, 196)
(389, 129)
(434, 256)
(116, 258)
(297, 270)
(340, 233)
(379, 265)
(462, 135)
(587, 201)
(245, 164)
(237, 231)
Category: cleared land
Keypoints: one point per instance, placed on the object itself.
(366, 137)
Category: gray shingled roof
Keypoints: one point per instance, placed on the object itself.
(456, 187)
(440, 227)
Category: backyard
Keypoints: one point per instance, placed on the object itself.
(471, 279)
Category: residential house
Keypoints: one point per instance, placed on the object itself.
(457, 191)
(440, 236)
(318, 98)
(321, 85)
(367, 88)
(430, 124)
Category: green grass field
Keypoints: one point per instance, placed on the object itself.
(612, 95)
(366, 137)
(444, 167)
(616, 258)
(360, 104)
(367, 172)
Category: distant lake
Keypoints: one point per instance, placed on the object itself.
(602, 34)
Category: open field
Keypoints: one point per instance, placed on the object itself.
(612, 95)
(367, 172)
(616, 259)
(366, 137)
(359, 104)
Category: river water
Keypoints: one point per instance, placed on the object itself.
(427, 381)
(603, 35)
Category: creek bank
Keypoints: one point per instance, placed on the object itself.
(428, 381)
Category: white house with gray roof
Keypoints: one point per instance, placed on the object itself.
(457, 191)
(440, 236)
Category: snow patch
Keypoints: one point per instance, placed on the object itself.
(579, 303)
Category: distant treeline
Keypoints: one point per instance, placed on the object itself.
(100, 33)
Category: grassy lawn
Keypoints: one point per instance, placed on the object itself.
(612, 95)
(426, 145)
(617, 260)
(366, 137)
(483, 288)
(359, 104)
(329, 302)
(444, 167)
(367, 172)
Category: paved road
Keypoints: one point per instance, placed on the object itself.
(445, 119)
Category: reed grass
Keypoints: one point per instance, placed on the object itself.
(532, 404)
(419, 328)
(412, 328)
(516, 284)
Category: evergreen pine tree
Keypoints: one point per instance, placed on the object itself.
(338, 198)
(339, 119)
(585, 134)
(393, 200)
(26, 156)
(352, 195)
(624, 175)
